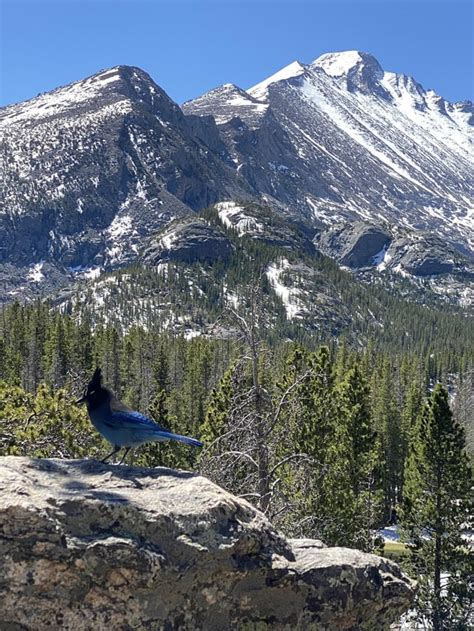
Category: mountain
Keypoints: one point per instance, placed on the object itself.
(341, 139)
(336, 157)
(89, 169)
(397, 256)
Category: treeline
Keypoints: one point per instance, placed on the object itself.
(40, 344)
(180, 296)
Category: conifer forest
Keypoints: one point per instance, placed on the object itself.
(329, 440)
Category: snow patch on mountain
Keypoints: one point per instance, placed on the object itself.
(168, 239)
(288, 295)
(259, 90)
(36, 274)
(120, 226)
(234, 216)
(233, 102)
(338, 64)
(61, 100)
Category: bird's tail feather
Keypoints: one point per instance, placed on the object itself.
(182, 439)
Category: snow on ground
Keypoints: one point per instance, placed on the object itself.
(399, 270)
(338, 64)
(120, 225)
(229, 215)
(189, 334)
(59, 100)
(368, 139)
(92, 272)
(85, 272)
(379, 258)
(231, 297)
(288, 295)
(122, 236)
(168, 239)
(382, 259)
(467, 297)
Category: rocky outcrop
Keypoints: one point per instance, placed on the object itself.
(91, 546)
(400, 250)
(265, 224)
(353, 244)
(188, 240)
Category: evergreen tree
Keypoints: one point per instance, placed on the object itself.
(356, 438)
(387, 423)
(437, 506)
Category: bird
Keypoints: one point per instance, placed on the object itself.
(120, 425)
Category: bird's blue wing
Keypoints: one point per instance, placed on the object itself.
(132, 429)
(133, 421)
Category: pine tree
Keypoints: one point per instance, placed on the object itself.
(387, 423)
(359, 449)
(58, 351)
(437, 506)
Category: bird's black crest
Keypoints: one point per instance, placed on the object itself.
(96, 381)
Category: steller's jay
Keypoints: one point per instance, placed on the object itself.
(119, 424)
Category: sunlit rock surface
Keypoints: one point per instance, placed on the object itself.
(91, 546)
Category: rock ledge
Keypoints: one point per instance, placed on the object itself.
(91, 546)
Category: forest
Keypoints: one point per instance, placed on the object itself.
(330, 441)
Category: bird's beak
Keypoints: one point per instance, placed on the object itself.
(81, 401)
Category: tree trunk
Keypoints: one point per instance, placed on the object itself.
(437, 621)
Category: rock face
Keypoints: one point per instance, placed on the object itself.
(354, 245)
(91, 169)
(188, 240)
(403, 251)
(91, 546)
(262, 223)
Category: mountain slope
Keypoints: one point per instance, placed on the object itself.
(94, 174)
(342, 139)
(303, 295)
(90, 168)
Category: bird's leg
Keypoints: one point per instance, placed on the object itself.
(125, 454)
(112, 453)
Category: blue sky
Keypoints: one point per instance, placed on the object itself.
(190, 46)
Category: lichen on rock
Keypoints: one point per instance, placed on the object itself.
(86, 545)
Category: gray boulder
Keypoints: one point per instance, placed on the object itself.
(86, 545)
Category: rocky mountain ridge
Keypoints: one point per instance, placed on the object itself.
(93, 173)
(340, 139)
(197, 268)
(89, 169)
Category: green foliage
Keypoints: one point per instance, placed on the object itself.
(317, 435)
(331, 474)
(437, 507)
(46, 424)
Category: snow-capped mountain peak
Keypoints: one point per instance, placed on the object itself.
(360, 71)
(113, 86)
(343, 63)
(232, 102)
(294, 69)
(89, 170)
(343, 138)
